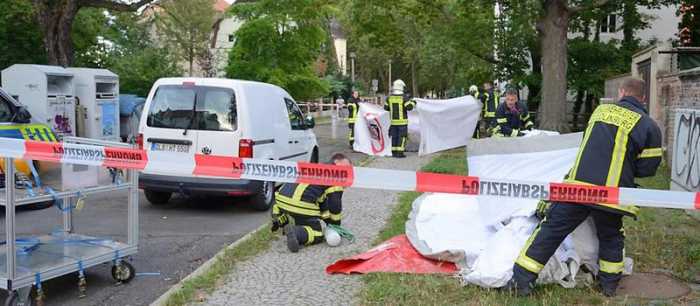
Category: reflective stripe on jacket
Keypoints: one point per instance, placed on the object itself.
(307, 200)
(398, 107)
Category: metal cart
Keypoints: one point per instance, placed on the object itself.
(62, 252)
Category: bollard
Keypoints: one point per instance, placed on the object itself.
(334, 126)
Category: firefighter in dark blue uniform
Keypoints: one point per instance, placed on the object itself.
(300, 209)
(620, 143)
(511, 116)
(491, 102)
(398, 105)
(353, 107)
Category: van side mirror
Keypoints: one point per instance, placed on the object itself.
(22, 115)
(310, 122)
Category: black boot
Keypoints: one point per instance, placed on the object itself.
(518, 289)
(608, 289)
(292, 241)
(400, 154)
(393, 153)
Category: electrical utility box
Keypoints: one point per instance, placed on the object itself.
(97, 92)
(48, 93)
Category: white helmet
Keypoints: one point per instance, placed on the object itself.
(473, 88)
(399, 85)
(332, 237)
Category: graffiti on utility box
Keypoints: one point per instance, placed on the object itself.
(686, 149)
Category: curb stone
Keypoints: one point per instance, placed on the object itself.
(163, 299)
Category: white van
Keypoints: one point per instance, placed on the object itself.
(222, 117)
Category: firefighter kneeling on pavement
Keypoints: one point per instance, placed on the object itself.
(510, 116)
(620, 143)
(303, 210)
(398, 105)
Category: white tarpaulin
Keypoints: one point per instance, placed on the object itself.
(446, 124)
(485, 235)
(372, 130)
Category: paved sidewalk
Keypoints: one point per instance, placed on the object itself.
(279, 277)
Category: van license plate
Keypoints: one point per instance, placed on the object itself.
(167, 147)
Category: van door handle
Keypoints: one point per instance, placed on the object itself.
(296, 141)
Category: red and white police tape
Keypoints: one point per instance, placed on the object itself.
(331, 175)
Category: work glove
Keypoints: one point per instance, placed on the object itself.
(521, 134)
(275, 226)
(530, 128)
(542, 207)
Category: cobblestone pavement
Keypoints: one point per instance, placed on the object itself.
(279, 277)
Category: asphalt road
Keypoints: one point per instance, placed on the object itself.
(175, 238)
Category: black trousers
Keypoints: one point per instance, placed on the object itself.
(398, 137)
(489, 124)
(560, 220)
(351, 126)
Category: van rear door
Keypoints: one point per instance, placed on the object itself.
(218, 122)
(171, 121)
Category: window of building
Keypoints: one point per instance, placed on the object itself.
(231, 38)
(609, 24)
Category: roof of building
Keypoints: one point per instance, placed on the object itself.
(337, 30)
(221, 5)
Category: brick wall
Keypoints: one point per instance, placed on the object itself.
(675, 92)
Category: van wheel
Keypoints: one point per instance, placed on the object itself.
(314, 156)
(263, 200)
(156, 197)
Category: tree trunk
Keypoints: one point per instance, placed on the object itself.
(55, 21)
(553, 30)
(414, 78)
(56, 17)
(190, 58)
(577, 105)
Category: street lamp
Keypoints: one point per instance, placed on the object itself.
(389, 62)
(352, 65)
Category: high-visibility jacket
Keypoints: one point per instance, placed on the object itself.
(620, 143)
(510, 120)
(353, 107)
(398, 107)
(311, 201)
(491, 103)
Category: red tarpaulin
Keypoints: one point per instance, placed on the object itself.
(394, 255)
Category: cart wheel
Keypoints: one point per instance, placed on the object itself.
(13, 300)
(127, 269)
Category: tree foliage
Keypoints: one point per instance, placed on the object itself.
(279, 43)
(185, 26)
(135, 57)
(440, 45)
(20, 37)
(689, 25)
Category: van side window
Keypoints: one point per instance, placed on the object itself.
(296, 118)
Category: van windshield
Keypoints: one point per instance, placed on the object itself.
(172, 108)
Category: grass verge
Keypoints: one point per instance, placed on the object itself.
(659, 239)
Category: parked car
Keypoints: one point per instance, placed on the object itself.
(17, 122)
(222, 117)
